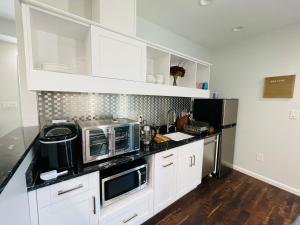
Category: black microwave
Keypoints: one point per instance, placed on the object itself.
(123, 180)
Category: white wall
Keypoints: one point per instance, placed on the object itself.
(9, 88)
(7, 27)
(159, 35)
(263, 124)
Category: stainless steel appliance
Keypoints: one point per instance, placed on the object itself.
(59, 147)
(120, 181)
(222, 115)
(106, 138)
(196, 127)
(209, 155)
(147, 134)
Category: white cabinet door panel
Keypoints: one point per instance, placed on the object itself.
(165, 176)
(117, 56)
(77, 210)
(185, 174)
(189, 167)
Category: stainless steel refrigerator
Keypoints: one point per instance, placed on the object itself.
(222, 115)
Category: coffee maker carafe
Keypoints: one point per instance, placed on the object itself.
(147, 133)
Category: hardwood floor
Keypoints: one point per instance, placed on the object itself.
(236, 200)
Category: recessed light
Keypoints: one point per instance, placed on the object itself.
(237, 29)
(204, 2)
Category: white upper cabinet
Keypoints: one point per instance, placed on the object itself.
(82, 8)
(118, 15)
(65, 51)
(56, 44)
(117, 56)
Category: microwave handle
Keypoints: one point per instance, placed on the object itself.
(140, 177)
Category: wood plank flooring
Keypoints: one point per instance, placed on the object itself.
(236, 200)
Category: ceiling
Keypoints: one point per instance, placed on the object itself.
(7, 9)
(211, 26)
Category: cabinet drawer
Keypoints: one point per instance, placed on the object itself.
(134, 213)
(66, 189)
(166, 156)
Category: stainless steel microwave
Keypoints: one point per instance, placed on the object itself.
(106, 138)
(123, 180)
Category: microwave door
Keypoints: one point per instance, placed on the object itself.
(97, 144)
(117, 186)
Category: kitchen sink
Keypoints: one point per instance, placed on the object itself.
(178, 136)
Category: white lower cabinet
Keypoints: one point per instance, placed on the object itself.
(165, 179)
(177, 171)
(133, 210)
(77, 201)
(190, 158)
(71, 202)
(78, 210)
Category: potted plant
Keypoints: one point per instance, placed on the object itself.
(177, 71)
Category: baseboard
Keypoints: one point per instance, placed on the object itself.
(267, 180)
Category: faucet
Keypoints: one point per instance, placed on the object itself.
(171, 115)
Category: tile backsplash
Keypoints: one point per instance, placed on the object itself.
(90, 106)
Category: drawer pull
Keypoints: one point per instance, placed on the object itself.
(126, 221)
(170, 164)
(167, 156)
(61, 192)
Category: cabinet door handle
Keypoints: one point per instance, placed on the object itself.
(94, 205)
(168, 164)
(167, 156)
(127, 220)
(191, 161)
(61, 192)
(194, 157)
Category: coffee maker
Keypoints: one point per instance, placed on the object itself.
(147, 133)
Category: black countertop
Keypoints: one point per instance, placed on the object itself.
(34, 182)
(13, 149)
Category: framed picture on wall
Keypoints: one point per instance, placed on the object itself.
(279, 86)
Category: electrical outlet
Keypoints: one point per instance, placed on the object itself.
(294, 114)
(260, 156)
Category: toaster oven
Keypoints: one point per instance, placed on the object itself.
(107, 138)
